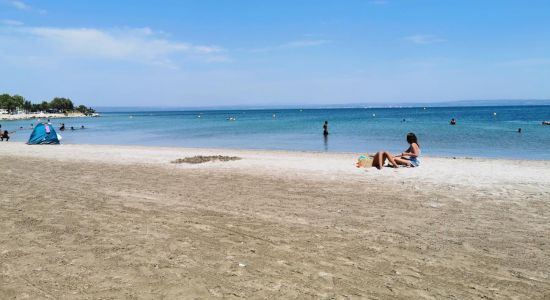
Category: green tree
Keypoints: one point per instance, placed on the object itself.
(27, 106)
(85, 110)
(35, 107)
(16, 102)
(82, 109)
(4, 101)
(44, 106)
(11, 103)
(62, 104)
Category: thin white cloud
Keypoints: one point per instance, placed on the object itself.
(424, 39)
(141, 45)
(305, 43)
(20, 5)
(526, 62)
(11, 22)
(294, 45)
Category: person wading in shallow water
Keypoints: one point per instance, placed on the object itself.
(325, 128)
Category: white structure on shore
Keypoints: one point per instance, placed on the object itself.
(39, 115)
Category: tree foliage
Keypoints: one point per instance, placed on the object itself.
(16, 102)
(61, 104)
(85, 110)
(11, 103)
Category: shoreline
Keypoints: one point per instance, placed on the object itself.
(315, 165)
(210, 149)
(18, 117)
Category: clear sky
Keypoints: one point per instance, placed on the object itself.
(298, 52)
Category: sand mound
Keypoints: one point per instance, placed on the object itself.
(199, 159)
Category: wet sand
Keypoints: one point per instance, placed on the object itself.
(113, 222)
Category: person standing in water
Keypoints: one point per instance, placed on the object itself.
(325, 128)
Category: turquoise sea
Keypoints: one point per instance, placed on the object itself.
(480, 132)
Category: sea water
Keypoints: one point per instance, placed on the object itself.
(480, 131)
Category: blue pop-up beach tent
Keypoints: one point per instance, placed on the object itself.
(43, 134)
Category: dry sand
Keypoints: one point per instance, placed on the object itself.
(113, 222)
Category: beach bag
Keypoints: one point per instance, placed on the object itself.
(364, 161)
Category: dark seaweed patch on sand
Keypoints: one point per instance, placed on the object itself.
(199, 159)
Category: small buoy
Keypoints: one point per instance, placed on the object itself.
(274, 115)
(424, 108)
(198, 116)
(374, 115)
(494, 114)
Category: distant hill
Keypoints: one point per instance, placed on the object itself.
(491, 103)
(313, 106)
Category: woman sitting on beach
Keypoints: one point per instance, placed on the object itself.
(409, 158)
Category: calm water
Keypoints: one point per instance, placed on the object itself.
(479, 132)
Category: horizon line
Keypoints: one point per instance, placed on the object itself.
(489, 102)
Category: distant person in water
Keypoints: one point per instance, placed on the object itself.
(519, 130)
(325, 128)
(409, 158)
(4, 136)
(72, 128)
(453, 122)
(62, 127)
(82, 127)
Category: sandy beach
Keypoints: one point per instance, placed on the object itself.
(123, 222)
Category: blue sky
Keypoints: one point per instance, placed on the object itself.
(300, 52)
